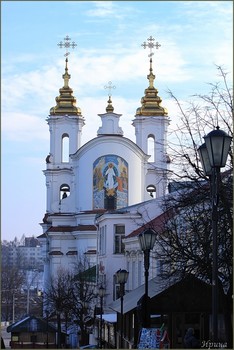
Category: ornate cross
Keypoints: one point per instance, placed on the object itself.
(66, 44)
(109, 87)
(151, 45)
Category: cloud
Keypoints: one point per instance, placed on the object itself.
(23, 127)
(33, 93)
(101, 9)
(110, 10)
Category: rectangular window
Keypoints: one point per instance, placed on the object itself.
(118, 241)
(102, 241)
(139, 273)
(133, 275)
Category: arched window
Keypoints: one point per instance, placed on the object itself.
(151, 148)
(64, 191)
(65, 148)
(152, 190)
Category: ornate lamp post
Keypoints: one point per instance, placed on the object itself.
(213, 155)
(101, 295)
(121, 279)
(147, 239)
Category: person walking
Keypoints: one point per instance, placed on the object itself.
(190, 341)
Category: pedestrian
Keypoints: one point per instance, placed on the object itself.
(190, 341)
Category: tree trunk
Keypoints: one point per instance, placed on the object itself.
(59, 331)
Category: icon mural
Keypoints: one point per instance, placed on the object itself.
(110, 182)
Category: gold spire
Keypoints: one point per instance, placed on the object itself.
(109, 108)
(151, 102)
(65, 102)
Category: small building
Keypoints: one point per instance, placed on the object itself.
(175, 305)
(32, 333)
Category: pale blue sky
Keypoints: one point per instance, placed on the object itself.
(194, 36)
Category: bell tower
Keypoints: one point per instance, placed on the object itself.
(151, 122)
(65, 125)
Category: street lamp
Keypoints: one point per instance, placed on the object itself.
(121, 279)
(101, 295)
(213, 155)
(146, 239)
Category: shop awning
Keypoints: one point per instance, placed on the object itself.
(155, 287)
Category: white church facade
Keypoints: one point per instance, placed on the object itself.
(100, 192)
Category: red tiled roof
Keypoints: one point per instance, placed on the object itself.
(157, 224)
(86, 228)
(94, 211)
(72, 228)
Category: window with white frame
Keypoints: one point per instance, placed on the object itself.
(65, 148)
(151, 148)
(102, 240)
(139, 272)
(133, 275)
(119, 234)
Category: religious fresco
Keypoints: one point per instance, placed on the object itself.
(110, 182)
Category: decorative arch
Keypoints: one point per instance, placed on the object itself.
(64, 191)
(151, 148)
(65, 148)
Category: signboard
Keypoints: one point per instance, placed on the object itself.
(150, 338)
(154, 338)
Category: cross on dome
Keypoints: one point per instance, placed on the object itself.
(109, 108)
(66, 102)
(151, 45)
(151, 102)
(67, 44)
(109, 87)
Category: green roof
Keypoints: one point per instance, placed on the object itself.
(88, 275)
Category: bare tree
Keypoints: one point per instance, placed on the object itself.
(70, 296)
(84, 294)
(58, 298)
(186, 243)
(12, 280)
(199, 116)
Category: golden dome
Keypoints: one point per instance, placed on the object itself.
(151, 102)
(65, 102)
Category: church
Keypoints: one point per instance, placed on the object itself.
(98, 193)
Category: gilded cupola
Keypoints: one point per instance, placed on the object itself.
(151, 102)
(65, 102)
(109, 108)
